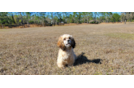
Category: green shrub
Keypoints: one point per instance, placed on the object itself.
(93, 22)
(6, 24)
(31, 22)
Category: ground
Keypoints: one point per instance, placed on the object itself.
(102, 49)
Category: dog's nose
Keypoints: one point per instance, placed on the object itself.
(68, 40)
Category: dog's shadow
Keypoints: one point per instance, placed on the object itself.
(81, 59)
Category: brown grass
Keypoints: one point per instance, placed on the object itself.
(101, 50)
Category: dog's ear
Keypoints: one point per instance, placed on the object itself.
(73, 44)
(61, 44)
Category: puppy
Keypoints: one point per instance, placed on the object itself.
(66, 55)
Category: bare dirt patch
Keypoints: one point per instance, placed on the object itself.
(101, 50)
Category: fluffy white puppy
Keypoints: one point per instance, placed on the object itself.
(66, 55)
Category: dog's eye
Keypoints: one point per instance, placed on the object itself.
(64, 38)
(69, 38)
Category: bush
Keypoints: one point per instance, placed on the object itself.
(93, 22)
(48, 24)
(31, 22)
(6, 24)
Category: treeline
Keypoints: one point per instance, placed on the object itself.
(12, 19)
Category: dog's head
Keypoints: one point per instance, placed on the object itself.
(66, 41)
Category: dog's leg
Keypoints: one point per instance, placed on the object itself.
(71, 62)
(61, 65)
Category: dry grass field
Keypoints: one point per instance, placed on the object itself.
(102, 49)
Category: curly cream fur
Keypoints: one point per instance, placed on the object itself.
(66, 55)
